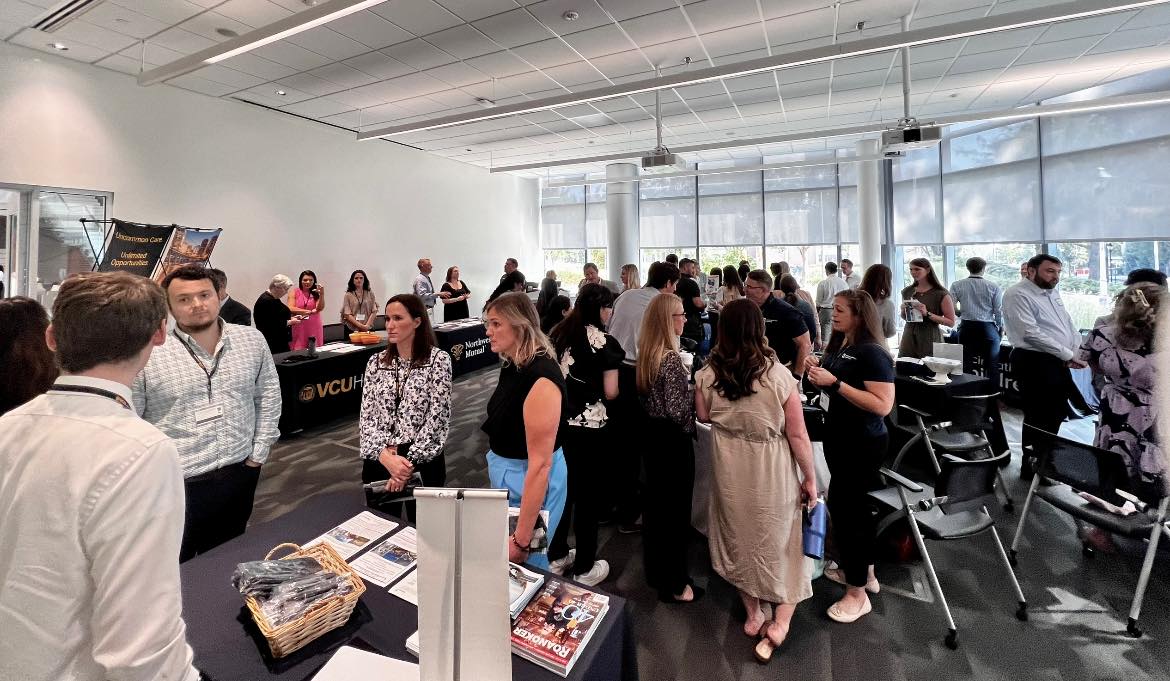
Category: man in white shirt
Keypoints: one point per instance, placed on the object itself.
(212, 388)
(92, 503)
(1044, 347)
(850, 275)
(628, 417)
(829, 287)
(423, 288)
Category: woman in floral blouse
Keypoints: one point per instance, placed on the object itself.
(406, 402)
(589, 359)
(664, 384)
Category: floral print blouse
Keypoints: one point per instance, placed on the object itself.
(672, 396)
(584, 365)
(404, 404)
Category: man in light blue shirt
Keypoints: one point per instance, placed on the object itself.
(980, 309)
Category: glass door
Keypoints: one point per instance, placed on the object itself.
(9, 226)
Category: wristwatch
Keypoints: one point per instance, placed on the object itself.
(836, 386)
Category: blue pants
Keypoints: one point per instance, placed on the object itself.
(509, 474)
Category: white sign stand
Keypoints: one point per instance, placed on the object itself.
(463, 625)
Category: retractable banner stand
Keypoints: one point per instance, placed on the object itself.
(188, 246)
(135, 248)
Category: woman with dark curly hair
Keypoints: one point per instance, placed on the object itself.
(27, 366)
(757, 420)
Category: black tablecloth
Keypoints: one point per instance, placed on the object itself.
(228, 646)
(468, 345)
(319, 390)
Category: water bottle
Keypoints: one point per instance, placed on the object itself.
(816, 526)
(312, 346)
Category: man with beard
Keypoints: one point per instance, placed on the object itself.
(212, 388)
(1044, 347)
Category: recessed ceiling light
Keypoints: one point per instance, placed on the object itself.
(953, 95)
(227, 32)
(59, 47)
(466, 150)
(570, 15)
(281, 93)
(120, 20)
(484, 102)
(309, 3)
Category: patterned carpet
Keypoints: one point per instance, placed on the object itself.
(1078, 606)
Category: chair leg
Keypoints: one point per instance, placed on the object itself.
(1135, 610)
(930, 450)
(1022, 610)
(921, 435)
(1023, 519)
(1009, 504)
(952, 640)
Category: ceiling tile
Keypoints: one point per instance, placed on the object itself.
(362, 97)
(343, 75)
(551, 13)
(1158, 15)
(119, 19)
(732, 41)
(659, 27)
(574, 75)
(250, 62)
(317, 108)
(464, 42)
(254, 13)
(600, 41)
(869, 62)
(182, 41)
(470, 10)
(167, 11)
(370, 29)
(221, 74)
(623, 64)
(292, 56)
(206, 23)
(420, 17)
(547, 53)
(674, 52)
(122, 64)
(627, 9)
(325, 41)
(985, 60)
(411, 85)
(272, 102)
(310, 84)
(82, 31)
(751, 82)
(709, 16)
(19, 13)
(999, 41)
(798, 27)
(155, 55)
(1129, 40)
(1085, 27)
(349, 120)
(378, 65)
(270, 90)
(1066, 49)
(38, 40)
(419, 53)
(512, 29)
(190, 81)
(499, 64)
(458, 74)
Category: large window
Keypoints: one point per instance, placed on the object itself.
(573, 231)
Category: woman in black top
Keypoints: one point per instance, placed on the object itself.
(523, 422)
(455, 307)
(589, 359)
(512, 282)
(554, 313)
(857, 373)
(548, 291)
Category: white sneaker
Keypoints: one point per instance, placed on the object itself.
(596, 575)
(559, 566)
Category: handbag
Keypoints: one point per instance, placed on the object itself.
(815, 527)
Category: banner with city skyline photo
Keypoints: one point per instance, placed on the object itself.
(188, 245)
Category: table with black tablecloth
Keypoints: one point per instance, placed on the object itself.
(467, 342)
(319, 390)
(229, 647)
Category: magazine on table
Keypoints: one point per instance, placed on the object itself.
(355, 534)
(522, 586)
(407, 588)
(539, 543)
(555, 627)
(389, 559)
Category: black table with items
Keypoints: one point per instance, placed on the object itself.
(467, 342)
(229, 647)
(319, 390)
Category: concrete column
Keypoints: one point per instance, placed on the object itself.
(869, 197)
(621, 218)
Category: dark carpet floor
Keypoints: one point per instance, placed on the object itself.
(1078, 605)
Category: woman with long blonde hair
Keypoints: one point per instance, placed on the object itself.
(664, 386)
(630, 277)
(523, 423)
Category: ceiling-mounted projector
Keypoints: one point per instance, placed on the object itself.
(661, 160)
(909, 135)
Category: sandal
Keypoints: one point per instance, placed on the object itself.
(767, 645)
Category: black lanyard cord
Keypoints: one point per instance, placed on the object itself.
(90, 390)
(199, 362)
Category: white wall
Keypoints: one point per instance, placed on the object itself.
(289, 194)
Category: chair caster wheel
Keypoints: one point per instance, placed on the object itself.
(952, 640)
(1087, 551)
(1012, 558)
(1133, 629)
(1022, 612)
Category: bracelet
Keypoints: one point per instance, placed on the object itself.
(518, 545)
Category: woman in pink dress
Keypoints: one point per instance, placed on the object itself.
(308, 299)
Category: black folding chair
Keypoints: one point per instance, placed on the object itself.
(956, 511)
(971, 430)
(1079, 467)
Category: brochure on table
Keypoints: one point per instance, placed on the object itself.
(389, 559)
(355, 534)
(349, 663)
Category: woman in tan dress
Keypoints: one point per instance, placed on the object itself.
(753, 405)
(931, 307)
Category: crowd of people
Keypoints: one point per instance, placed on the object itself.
(189, 410)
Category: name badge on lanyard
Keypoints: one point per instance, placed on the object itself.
(209, 415)
(360, 317)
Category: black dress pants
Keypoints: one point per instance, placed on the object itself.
(980, 340)
(628, 420)
(853, 469)
(670, 481)
(219, 504)
(585, 449)
(433, 474)
(1045, 385)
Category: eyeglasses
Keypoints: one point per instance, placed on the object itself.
(679, 314)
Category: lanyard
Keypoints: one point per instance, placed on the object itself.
(90, 390)
(400, 385)
(214, 367)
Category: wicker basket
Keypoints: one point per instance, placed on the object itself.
(325, 616)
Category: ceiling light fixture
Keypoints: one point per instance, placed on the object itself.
(60, 47)
(485, 102)
(227, 33)
(1079, 9)
(281, 93)
(1043, 110)
(277, 30)
(570, 15)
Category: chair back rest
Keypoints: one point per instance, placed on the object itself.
(333, 333)
(971, 413)
(379, 323)
(966, 483)
(1083, 467)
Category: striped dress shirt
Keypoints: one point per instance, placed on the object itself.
(979, 300)
(242, 381)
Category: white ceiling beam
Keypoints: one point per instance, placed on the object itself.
(1044, 110)
(1079, 9)
(293, 24)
